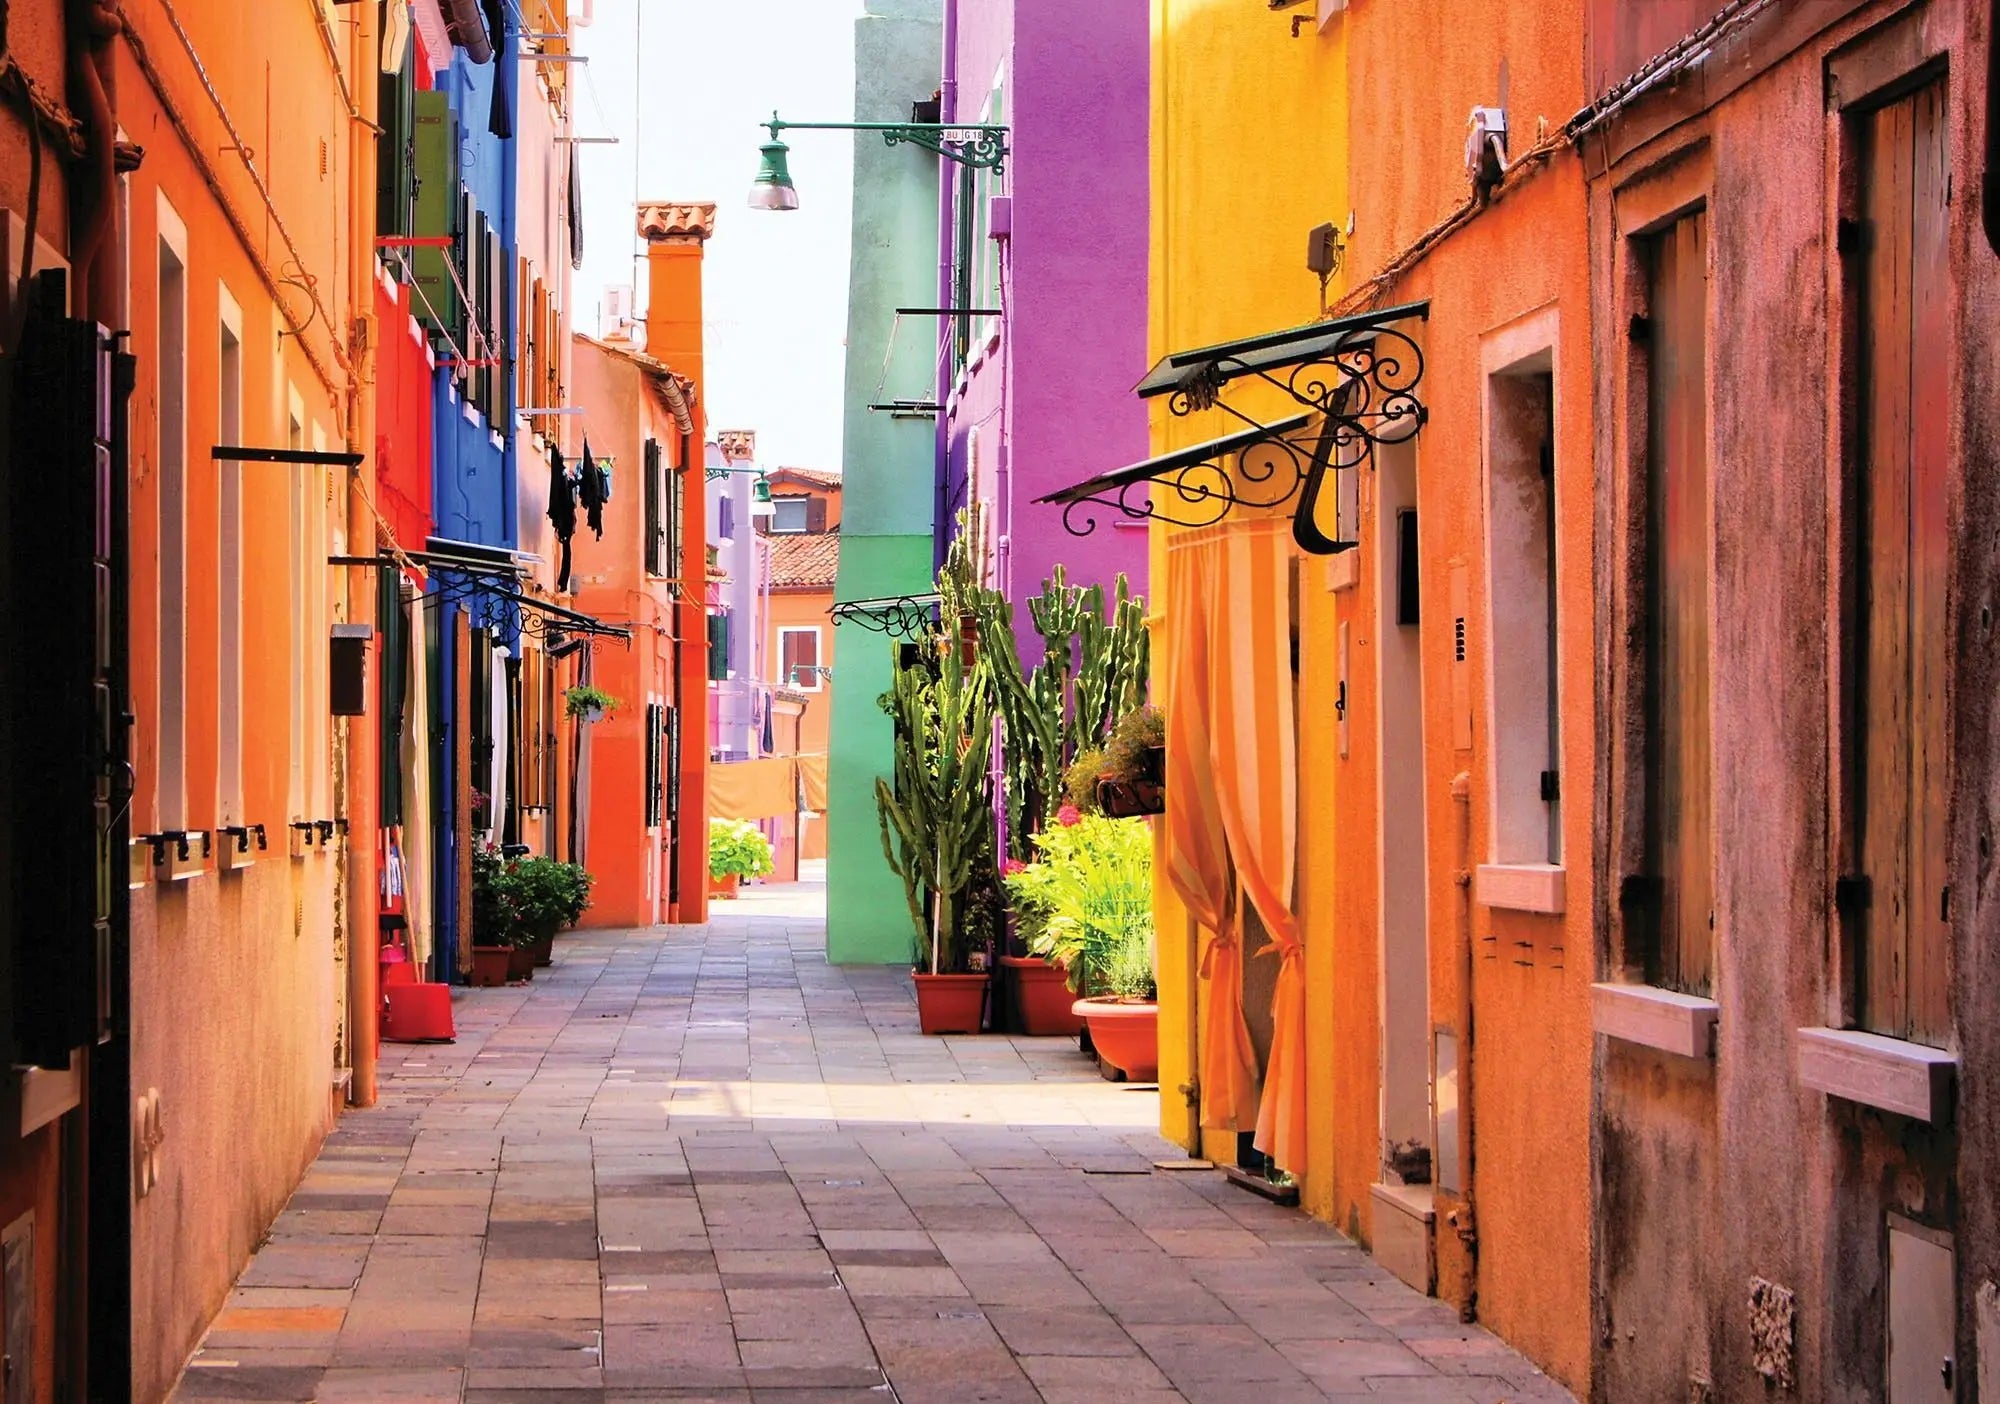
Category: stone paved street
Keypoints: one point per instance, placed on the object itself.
(701, 1164)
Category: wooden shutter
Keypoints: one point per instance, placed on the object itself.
(526, 334)
(675, 566)
(434, 143)
(655, 552)
(815, 514)
(461, 252)
(718, 647)
(1898, 631)
(1679, 804)
(654, 731)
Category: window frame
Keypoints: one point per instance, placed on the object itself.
(788, 678)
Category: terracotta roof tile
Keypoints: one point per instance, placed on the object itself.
(677, 219)
(804, 561)
(811, 477)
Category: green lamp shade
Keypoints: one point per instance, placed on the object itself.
(773, 188)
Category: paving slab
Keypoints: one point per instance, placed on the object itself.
(699, 1164)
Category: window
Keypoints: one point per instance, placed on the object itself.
(790, 518)
(171, 804)
(798, 657)
(718, 646)
(655, 774)
(1895, 891)
(725, 517)
(656, 527)
(676, 512)
(1673, 902)
(1521, 595)
(229, 569)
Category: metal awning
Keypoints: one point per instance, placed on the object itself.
(1321, 360)
(1263, 466)
(898, 616)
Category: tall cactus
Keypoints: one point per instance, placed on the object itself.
(936, 819)
(1092, 671)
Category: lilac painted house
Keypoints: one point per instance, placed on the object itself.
(1046, 266)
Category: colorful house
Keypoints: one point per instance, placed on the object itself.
(1794, 352)
(887, 543)
(639, 416)
(1045, 288)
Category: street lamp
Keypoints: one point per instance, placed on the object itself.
(978, 145)
(761, 504)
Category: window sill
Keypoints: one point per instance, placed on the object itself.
(165, 861)
(47, 1095)
(1521, 887)
(1889, 1074)
(1653, 1017)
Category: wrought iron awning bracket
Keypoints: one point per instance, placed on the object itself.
(1201, 493)
(899, 616)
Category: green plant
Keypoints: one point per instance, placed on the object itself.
(584, 698)
(495, 919)
(1088, 900)
(737, 848)
(1093, 668)
(546, 894)
(936, 818)
(1080, 780)
(1137, 733)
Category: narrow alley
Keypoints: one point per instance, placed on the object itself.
(703, 1164)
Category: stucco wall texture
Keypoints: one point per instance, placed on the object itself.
(1789, 1184)
(235, 976)
(885, 535)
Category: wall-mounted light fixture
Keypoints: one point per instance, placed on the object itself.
(980, 145)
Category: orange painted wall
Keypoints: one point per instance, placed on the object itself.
(621, 411)
(236, 990)
(1525, 256)
(806, 609)
(674, 335)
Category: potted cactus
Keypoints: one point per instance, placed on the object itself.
(936, 823)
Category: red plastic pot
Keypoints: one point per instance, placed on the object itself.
(418, 1013)
(950, 1004)
(1042, 998)
(1126, 1034)
(490, 964)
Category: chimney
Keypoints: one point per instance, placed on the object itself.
(675, 232)
(738, 445)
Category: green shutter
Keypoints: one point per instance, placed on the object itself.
(718, 648)
(437, 208)
(395, 181)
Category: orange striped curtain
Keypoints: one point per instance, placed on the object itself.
(1197, 854)
(1241, 573)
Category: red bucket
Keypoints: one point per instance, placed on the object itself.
(418, 1013)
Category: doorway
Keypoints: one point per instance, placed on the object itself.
(1404, 934)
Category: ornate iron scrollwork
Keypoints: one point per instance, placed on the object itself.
(896, 617)
(977, 147)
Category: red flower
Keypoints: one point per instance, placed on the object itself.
(1068, 815)
(1011, 866)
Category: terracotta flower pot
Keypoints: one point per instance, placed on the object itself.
(1126, 1034)
(521, 963)
(722, 886)
(543, 948)
(490, 964)
(1042, 997)
(950, 1004)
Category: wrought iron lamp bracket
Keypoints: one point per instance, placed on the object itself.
(979, 145)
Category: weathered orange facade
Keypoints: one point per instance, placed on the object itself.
(638, 415)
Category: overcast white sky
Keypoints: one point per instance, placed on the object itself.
(775, 284)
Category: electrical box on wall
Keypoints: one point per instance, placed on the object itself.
(347, 669)
(1000, 217)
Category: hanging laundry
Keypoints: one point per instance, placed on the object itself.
(500, 121)
(594, 490)
(562, 513)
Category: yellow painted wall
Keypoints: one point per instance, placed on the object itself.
(1248, 154)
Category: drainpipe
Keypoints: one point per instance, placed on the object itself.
(364, 748)
(93, 24)
(946, 330)
(1462, 1219)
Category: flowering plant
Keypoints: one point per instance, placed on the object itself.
(737, 848)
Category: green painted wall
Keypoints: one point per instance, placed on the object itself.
(887, 463)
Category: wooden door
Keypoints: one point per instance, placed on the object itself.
(1679, 803)
(1896, 756)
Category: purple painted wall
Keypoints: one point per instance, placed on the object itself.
(1048, 391)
